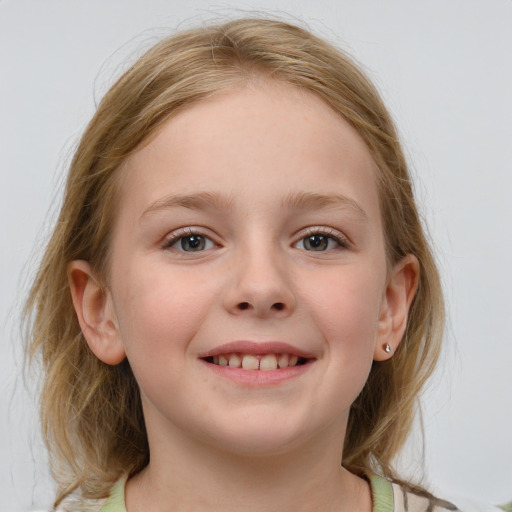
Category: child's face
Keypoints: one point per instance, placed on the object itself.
(249, 227)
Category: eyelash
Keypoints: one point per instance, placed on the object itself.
(182, 234)
(329, 233)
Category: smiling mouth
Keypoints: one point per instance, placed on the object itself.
(263, 362)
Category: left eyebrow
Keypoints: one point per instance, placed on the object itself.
(199, 201)
(312, 201)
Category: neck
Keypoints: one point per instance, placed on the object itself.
(189, 475)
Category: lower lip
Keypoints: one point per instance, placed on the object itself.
(259, 377)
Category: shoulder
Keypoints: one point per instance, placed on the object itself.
(114, 503)
(76, 504)
(411, 501)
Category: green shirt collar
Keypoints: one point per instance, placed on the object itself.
(382, 496)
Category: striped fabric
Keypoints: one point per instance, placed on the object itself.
(405, 501)
(388, 497)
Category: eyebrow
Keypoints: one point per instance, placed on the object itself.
(313, 201)
(296, 201)
(198, 201)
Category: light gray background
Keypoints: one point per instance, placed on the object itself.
(444, 68)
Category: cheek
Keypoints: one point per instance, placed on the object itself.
(159, 311)
(346, 310)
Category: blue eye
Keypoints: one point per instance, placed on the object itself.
(320, 242)
(192, 242)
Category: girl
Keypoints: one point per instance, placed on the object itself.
(238, 306)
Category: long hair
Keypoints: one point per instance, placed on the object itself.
(91, 412)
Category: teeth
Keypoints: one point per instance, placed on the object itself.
(250, 362)
(283, 360)
(235, 361)
(256, 362)
(268, 362)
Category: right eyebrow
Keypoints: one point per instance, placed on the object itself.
(198, 201)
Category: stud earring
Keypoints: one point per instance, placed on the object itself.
(387, 349)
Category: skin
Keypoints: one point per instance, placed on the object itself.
(247, 161)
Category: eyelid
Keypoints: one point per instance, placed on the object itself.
(330, 232)
(171, 238)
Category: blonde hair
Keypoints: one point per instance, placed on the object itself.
(91, 413)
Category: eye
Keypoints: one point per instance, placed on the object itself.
(190, 242)
(319, 241)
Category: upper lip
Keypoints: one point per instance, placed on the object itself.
(257, 348)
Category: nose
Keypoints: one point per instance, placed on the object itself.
(261, 286)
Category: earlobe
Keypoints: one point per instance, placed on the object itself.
(396, 302)
(93, 306)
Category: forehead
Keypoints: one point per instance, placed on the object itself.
(261, 140)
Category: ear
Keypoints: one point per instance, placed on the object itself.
(398, 296)
(95, 312)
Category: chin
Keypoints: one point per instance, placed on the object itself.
(264, 438)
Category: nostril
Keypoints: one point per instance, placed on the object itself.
(276, 306)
